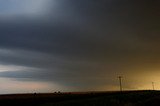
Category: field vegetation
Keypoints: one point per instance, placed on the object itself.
(126, 98)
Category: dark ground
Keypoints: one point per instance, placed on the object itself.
(126, 98)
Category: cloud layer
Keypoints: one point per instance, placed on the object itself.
(80, 44)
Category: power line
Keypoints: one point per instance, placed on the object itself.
(153, 85)
(120, 82)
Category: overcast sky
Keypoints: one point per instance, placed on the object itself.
(78, 45)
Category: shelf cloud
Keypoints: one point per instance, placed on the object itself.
(80, 44)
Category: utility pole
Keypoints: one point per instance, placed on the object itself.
(153, 85)
(120, 82)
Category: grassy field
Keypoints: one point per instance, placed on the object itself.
(126, 98)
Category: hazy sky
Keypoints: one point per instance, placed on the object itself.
(79, 45)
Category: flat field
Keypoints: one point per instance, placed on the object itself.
(125, 98)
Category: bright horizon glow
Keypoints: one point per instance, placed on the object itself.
(12, 86)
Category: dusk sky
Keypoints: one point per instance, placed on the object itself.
(79, 45)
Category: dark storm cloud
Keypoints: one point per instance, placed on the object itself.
(82, 41)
